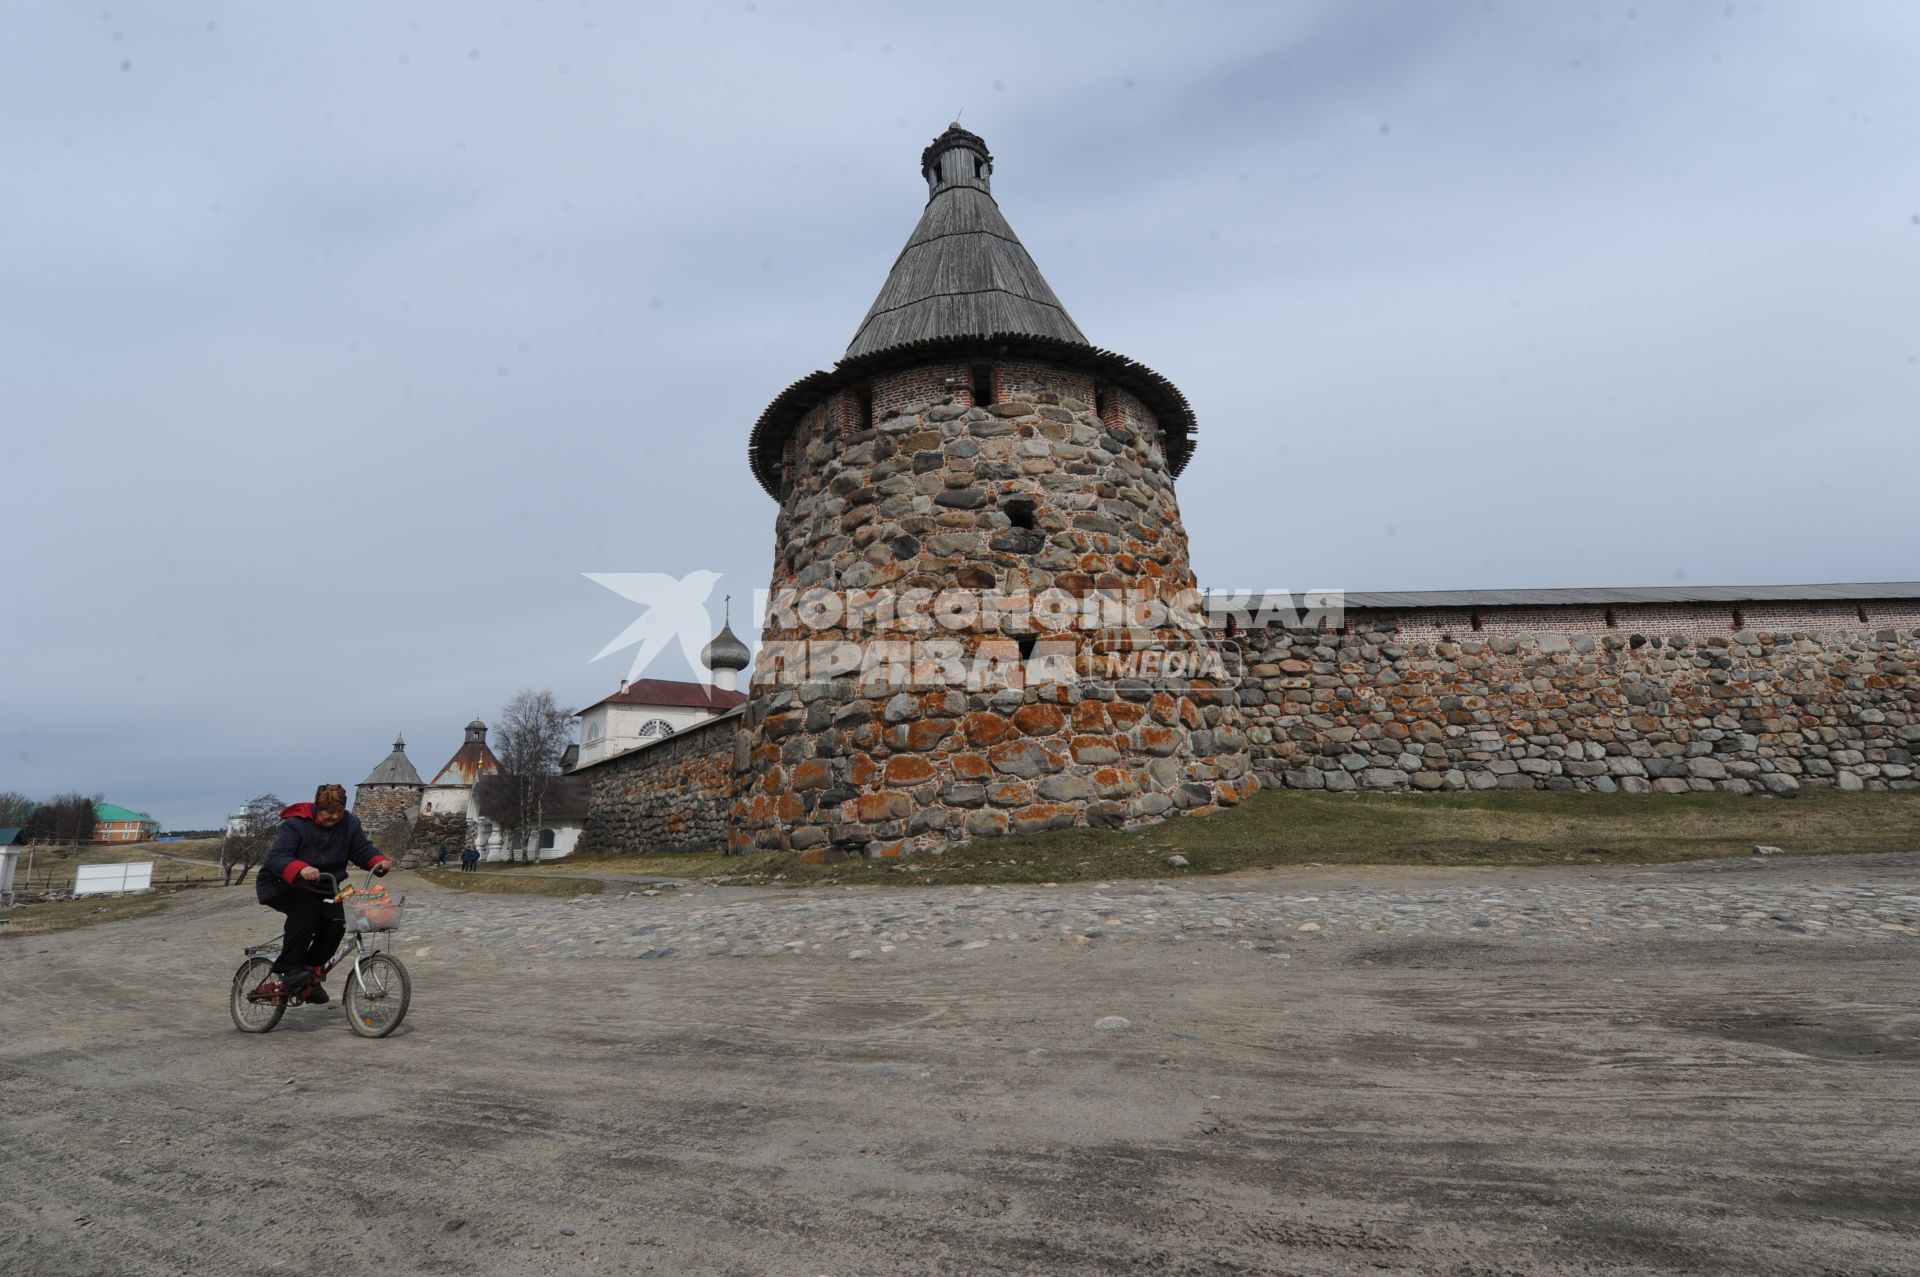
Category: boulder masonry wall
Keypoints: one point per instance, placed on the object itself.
(1409, 704)
(669, 796)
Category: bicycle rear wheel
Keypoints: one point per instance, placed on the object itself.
(376, 995)
(250, 1016)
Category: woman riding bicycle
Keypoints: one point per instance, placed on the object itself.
(320, 837)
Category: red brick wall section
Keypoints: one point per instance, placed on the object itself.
(1661, 708)
(669, 796)
(915, 390)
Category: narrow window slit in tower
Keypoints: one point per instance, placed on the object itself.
(1861, 612)
(1739, 619)
(982, 385)
(862, 418)
(1475, 619)
(1020, 512)
(1100, 402)
(1611, 623)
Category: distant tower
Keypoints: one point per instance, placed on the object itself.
(726, 655)
(452, 785)
(972, 439)
(388, 799)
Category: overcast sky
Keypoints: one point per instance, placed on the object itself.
(337, 340)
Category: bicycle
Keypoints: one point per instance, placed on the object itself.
(377, 990)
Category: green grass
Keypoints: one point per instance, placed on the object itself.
(520, 886)
(1294, 827)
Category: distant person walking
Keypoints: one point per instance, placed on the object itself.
(469, 859)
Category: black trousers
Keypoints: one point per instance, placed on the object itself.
(314, 929)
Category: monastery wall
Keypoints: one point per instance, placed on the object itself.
(433, 833)
(669, 796)
(1570, 698)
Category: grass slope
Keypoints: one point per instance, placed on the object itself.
(1292, 827)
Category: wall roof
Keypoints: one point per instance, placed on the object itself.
(1845, 592)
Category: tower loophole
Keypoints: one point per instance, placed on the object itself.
(982, 385)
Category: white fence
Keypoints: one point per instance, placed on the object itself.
(100, 880)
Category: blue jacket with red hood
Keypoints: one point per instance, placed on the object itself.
(302, 842)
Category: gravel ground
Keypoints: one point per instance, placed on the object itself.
(1702, 1068)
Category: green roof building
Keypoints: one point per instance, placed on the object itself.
(114, 823)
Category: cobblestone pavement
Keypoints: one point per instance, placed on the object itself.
(1291, 915)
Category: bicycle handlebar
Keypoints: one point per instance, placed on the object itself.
(334, 890)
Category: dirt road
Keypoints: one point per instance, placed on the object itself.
(1383, 1103)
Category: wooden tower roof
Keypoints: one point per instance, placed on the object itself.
(964, 286)
(963, 273)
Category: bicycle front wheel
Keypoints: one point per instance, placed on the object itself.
(250, 1016)
(376, 996)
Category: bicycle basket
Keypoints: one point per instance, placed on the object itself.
(372, 908)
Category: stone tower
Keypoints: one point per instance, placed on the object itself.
(388, 800)
(973, 451)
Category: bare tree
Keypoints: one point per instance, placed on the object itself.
(246, 842)
(16, 809)
(532, 734)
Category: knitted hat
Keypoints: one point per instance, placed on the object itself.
(330, 798)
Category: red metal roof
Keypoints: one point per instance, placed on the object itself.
(674, 694)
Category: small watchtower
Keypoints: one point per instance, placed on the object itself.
(388, 800)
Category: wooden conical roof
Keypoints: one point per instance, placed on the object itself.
(962, 288)
(963, 273)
